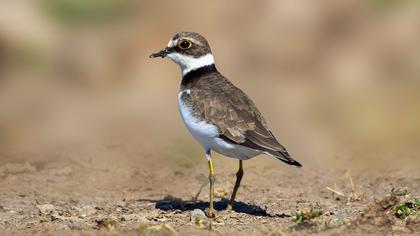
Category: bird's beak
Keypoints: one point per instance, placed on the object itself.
(162, 53)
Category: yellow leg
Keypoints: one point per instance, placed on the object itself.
(211, 179)
(210, 212)
(239, 175)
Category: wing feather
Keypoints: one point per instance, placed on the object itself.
(235, 115)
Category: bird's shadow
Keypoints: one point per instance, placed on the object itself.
(170, 203)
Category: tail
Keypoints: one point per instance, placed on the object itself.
(284, 156)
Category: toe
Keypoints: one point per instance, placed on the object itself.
(210, 213)
(229, 207)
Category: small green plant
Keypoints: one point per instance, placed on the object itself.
(403, 210)
(399, 191)
(306, 215)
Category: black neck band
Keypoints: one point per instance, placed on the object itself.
(189, 77)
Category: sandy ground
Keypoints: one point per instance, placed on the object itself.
(78, 192)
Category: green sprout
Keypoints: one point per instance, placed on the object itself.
(306, 215)
(403, 210)
(399, 191)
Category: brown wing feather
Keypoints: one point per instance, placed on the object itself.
(217, 101)
(236, 116)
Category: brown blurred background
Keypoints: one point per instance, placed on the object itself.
(338, 81)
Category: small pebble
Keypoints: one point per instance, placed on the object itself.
(197, 216)
(45, 209)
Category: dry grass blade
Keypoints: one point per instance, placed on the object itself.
(354, 196)
(335, 191)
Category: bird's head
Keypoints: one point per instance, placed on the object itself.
(187, 49)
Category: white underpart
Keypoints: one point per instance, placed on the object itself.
(189, 63)
(208, 136)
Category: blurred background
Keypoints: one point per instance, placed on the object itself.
(337, 81)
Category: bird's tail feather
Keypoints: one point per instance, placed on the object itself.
(285, 157)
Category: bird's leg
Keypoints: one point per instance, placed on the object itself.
(239, 175)
(210, 212)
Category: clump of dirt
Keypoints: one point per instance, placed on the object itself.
(379, 213)
(382, 215)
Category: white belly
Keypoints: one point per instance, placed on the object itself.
(208, 135)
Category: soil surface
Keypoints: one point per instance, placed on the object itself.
(77, 192)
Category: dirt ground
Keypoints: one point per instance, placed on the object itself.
(77, 192)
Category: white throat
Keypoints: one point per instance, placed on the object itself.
(189, 63)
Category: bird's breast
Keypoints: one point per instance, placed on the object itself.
(202, 131)
(208, 134)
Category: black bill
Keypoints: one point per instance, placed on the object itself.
(162, 53)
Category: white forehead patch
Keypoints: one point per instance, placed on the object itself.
(172, 43)
(189, 63)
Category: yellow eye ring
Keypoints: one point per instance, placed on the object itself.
(184, 44)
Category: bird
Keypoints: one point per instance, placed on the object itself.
(219, 115)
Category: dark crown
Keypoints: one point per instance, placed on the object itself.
(190, 43)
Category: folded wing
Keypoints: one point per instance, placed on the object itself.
(239, 120)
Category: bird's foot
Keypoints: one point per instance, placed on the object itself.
(229, 207)
(210, 213)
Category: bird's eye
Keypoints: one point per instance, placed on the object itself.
(184, 44)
